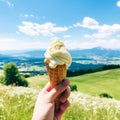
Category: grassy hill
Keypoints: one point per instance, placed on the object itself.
(100, 82)
(38, 82)
(95, 83)
(17, 103)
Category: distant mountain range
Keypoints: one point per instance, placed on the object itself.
(86, 53)
(98, 51)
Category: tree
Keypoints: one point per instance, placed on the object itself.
(12, 75)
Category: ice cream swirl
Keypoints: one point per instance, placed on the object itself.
(57, 54)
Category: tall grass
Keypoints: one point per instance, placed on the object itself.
(17, 103)
(86, 107)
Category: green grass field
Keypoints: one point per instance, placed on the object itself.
(100, 82)
(38, 82)
(17, 103)
(95, 83)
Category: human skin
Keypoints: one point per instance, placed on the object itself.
(45, 104)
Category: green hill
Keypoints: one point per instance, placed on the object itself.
(38, 82)
(95, 83)
(100, 82)
(17, 103)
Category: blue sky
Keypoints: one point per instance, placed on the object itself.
(33, 24)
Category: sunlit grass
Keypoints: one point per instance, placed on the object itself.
(96, 83)
(38, 82)
(86, 107)
(100, 82)
(17, 103)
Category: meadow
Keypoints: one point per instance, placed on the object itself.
(17, 103)
(107, 81)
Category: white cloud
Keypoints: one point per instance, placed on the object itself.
(106, 31)
(67, 36)
(118, 3)
(109, 28)
(87, 36)
(46, 29)
(15, 44)
(73, 44)
(8, 3)
(77, 24)
(28, 28)
(97, 35)
(97, 31)
(88, 23)
(28, 16)
(111, 44)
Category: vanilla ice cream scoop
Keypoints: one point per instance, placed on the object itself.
(57, 54)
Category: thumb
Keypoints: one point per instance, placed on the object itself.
(58, 89)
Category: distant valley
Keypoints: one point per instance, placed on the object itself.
(33, 60)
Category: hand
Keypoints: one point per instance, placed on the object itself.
(45, 104)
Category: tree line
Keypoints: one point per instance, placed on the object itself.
(71, 73)
(13, 77)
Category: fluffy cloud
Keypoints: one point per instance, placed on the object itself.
(100, 31)
(107, 31)
(98, 35)
(88, 23)
(118, 3)
(109, 28)
(35, 29)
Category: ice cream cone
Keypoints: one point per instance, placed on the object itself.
(57, 60)
(56, 75)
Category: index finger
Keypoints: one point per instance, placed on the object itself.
(47, 87)
(58, 89)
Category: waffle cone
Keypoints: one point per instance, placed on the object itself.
(56, 75)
